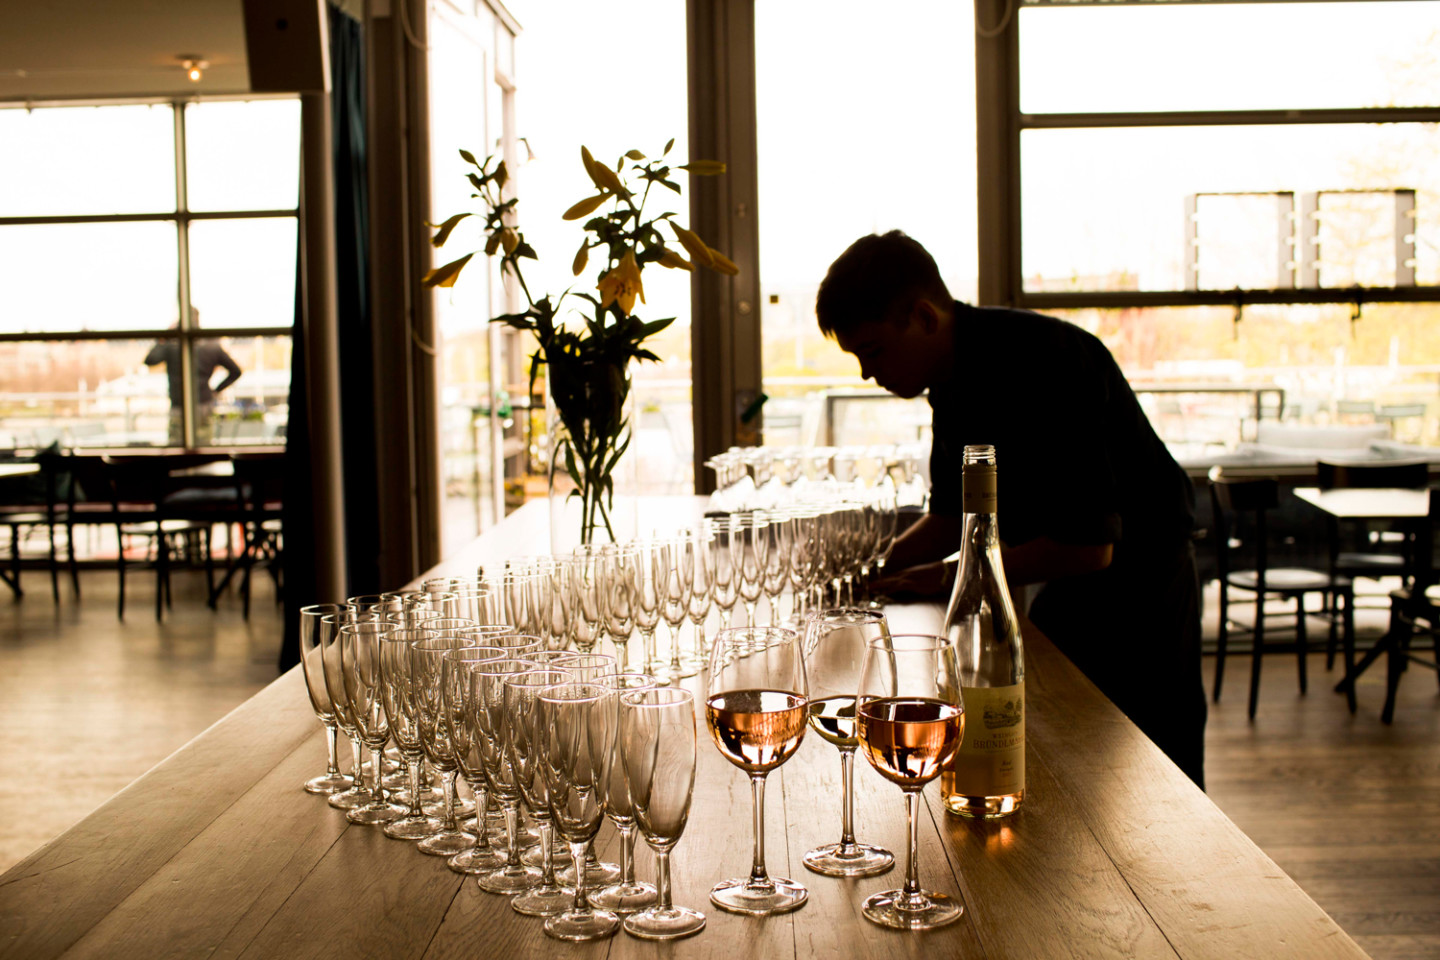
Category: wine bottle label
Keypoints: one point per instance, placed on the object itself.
(978, 488)
(991, 758)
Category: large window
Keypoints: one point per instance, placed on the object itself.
(1250, 220)
(147, 258)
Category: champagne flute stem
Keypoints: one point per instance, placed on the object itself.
(577, 857)
(547, 853)
(627, 853)
(758, 876)
(512, 829)
(416, 810)
(357, 761)
(662, 880)
(847, 804)
(377, 774)
(448, 779)
(911, 890)
(622, 662)
(675, 644)
(482, 813)
(332, 750)
(648, 639)
(750, 611)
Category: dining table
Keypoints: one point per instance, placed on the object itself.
(218, 852)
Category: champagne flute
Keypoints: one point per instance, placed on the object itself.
(678, 560)
(835, 644)
(427, 667)
(400, 708)
(724, 585)
(587, 618)
(910, 718)
(649, 585)
(330, 659)
(658, 751)
(313, 637)
(578, 723)
(779, 534)
(626, 894)
(702, 587)
(485, 708)
(617, 582)
(749, 545)
(465, 741)
(523, 736)
(591, 668)
(360, 664)
(804, 548)
(756, 702)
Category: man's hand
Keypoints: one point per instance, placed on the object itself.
(922, 580)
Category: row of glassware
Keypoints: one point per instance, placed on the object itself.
(574, 737)
(761, 478)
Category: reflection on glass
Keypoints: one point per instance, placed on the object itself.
(242, 272)
(243, 155)
(49, 164)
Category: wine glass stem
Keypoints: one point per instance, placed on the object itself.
(725, 614)
(912, 864)
(357, 761)
(547, 853)
(416, 809)
(750, 611)
(662, 879)
(482, 813)
(847, 804)
(675, 644)
(647, 639)
(377, 773)
(512, 830)
(577, 857)
(448, 779)
(622, 662)
(332, 750)
(627, 853)
(757, 791)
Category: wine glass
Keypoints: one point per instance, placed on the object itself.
(626, 894)
(578, 724)
(724, 584)
(677, 561)
(400, 708)
(756, 700)
(617, 585)
(360, 665)
(702, 587)
(649, 585)
(330, 659)
(522, 737)
(656, 745)
(427, 668)
(779, 534)
(749, 545)
(835, 643)
(804, 549)
(485, 709)
(587, 616)
(313, 637)
(465, 741)
(909, 719)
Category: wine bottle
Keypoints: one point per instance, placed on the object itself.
(986, 777)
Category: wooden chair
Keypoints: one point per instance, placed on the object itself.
(1240, 507)
(1414, 611)
(260, 485)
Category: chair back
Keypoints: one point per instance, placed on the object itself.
(1239, 505)
(259, 483)
(1409, 474)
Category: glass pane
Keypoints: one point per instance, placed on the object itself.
(64, 161)
(1236, 56)
(1105, 209)
(83, 393)
(88, 276)
(243, 155)
(242, 272)
(254, 410)
(1349, 390)
(852, 163)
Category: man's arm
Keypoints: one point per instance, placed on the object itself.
(232, 370)
(1042, 560)
(156, 356)
(914, 564)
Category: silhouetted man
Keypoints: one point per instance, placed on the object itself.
(1091, 503)
(209, 356)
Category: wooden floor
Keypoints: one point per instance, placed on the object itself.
(1346, 805)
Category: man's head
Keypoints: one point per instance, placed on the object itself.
(883, 301)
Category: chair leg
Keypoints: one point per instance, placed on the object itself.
(1399, 651)
(1302, 644)
(1221, 641)
(15, 559)
(70, 555)
(1332, 608)
(1258, 653)
(1348, 639)
(54, 566)
(209, 566)
(120, 538)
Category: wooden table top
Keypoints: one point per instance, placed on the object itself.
(217, 852)
(18, 469)
(1368, 503)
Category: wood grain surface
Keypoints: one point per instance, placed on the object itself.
(218, 852)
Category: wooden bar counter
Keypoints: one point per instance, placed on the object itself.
(217, 852)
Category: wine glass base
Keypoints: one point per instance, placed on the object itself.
(509, 881)
(542, 902)
(594, 925)
(625, 897)
(759, 900)
(861, 860)
(476, 860)
(413, 828)
(447, 843)
(429, 797)
(672, 924)
(884, 909)
(327, 784)
(595, 873)
(349, 799)
(373, 813)
(535, 857)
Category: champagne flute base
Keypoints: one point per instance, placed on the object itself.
(600, 871)
(431, 797)
(856, 860)
(583, 925)
(509, 881)
(349, 799)
(740, 895)
(327, 784)
(476, 860)
(413, 828)
(625, 897)
(890, 909)
(373, 813)
(464, 809)
(671, 924)
(535, 856)
(446, 843)
(544, 901)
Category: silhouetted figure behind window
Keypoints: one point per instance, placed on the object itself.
(209, 357)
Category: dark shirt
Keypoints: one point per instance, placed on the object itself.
(209, 357)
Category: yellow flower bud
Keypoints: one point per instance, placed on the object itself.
(704, 168)
(674, 261)
(693, 245)
(509, 240)
(722, 263)
(582, 257)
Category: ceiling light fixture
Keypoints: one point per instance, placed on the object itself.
(194, 65)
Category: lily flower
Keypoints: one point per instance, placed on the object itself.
(622, 284)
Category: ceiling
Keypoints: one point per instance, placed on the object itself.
(91, 49)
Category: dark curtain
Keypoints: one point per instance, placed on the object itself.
(352, 276)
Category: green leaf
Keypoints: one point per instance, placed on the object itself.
(468, 157)
(446, 275)
(446, 229)
(671, 185)
(634, 154)
(668, 146)
(476, 182)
